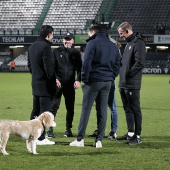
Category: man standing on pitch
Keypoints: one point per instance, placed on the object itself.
(99, 69)
(68, 77)
(41, 67)
(131, 66)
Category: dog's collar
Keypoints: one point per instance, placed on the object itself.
(43, 125)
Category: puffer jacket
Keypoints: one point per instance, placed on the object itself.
(132, 62)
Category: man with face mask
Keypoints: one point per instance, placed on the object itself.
(67, 63)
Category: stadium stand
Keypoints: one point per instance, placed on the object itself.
(20, 63)
(25, 17)
(69, 15)
(157, 59)
(143, 15)
(17, 15)
(21, 60)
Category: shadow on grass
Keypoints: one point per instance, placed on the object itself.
(87, 153)
(62, 148)
(156, 142)
(150, 142)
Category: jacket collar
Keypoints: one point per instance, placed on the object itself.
(135, 37)
(130, 38)
(91, 38)
(99, 34)
(62, 48)
(40, 38)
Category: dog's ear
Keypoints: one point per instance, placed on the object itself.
(44, 121)
(40, 117)
(47, 119)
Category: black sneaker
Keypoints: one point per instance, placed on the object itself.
(112, 135)
(94, 134)
(68, 133)
(50, 133)
(125, 137)
(135, 140)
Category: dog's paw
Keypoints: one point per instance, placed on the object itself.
(35, 153)
(5, 153)
(30, 151)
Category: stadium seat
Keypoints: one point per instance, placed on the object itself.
(143, 15)
(20, 13)
(71, 14)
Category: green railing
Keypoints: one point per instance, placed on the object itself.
(103, 14)
(42, 16)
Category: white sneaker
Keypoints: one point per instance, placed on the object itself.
(98, 144)
(77, 143)
(45, 142)
(115, 135)
(112, 135)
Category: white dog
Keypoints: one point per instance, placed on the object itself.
(29, 130)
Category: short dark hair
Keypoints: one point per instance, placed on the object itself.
(45, 30)
(95, 28)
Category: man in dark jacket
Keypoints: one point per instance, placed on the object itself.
(41, 68)
(132, 63)
(99, 69)
(67, 64)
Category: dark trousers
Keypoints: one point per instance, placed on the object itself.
(40, 105)
(68, 92)
(110, 102)
(90, 92)
(131, 105)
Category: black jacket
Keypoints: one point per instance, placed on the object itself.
(101, 60)
(41, 67)
(67, 63)
(132, 63)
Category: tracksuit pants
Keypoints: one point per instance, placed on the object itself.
(131, 105)
(68, 91)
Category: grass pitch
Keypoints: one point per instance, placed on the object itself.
(153, 153)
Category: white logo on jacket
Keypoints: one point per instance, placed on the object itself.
(61, 56)
(129, 47)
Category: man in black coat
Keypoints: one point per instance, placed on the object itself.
(41, 67)
(132, 63)
(68, 76)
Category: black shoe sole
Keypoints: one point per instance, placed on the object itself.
(135, 143)
(122, 139)
(111, 138)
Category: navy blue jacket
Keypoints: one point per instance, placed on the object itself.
(101, 60)
(132, 63)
